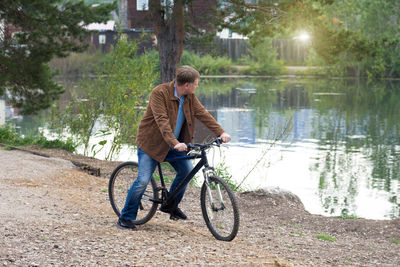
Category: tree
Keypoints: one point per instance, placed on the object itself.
(169, 28)
(46, 28)
(378, 21)
(173, 23)
(331, 38)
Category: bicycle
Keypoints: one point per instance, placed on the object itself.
(218, 203)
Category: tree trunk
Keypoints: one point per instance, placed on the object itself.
(123, 14)
(169, 29)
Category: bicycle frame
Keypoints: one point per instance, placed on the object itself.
(217, 200)
(203, 162)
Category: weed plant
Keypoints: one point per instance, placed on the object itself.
(222, 171)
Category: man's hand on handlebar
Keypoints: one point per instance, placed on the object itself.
(225, 137)
(181, 147)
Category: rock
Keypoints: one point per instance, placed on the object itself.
(280, 195)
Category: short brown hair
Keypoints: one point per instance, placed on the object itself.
(186, 74)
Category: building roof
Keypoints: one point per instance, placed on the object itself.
(109, 26)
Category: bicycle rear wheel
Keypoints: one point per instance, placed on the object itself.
(219, 209)
(121, 181)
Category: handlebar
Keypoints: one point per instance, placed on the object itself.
(215, 142)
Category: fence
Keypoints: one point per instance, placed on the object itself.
(289, 50)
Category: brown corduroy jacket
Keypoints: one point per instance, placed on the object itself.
(156, 129)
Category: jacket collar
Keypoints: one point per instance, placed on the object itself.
(171, 90)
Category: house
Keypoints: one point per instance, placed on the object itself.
(6, 30)
(135, 14)
(104, 36)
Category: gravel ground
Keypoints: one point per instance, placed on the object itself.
(52, 213)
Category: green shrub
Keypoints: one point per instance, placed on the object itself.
(9, 136)
(263, 60)
(42, 141)
(207, 64)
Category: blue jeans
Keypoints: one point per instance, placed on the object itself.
(147, 166)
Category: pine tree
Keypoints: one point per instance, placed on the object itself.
(46, 29)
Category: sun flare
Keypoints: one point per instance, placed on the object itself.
(303, 37)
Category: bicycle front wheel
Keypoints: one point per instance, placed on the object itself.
(219, 209)
(121, 181)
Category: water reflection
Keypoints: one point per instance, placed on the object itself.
(344, 144)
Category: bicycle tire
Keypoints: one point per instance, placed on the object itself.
(223, 222)
(119, 184)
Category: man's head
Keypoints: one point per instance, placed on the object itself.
(186, 74)
(187, 80)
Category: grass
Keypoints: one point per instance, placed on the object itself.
(166, 178)
(326, 238)
(296, 233)
(347, 217)
(9, 137)
(395, 240)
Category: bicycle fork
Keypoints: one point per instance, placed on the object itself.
(208, 172)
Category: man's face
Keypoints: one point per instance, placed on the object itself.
(190, 88)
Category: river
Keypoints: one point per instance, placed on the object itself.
(333, 142)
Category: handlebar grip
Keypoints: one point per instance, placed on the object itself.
(218, 141)
(190, 146)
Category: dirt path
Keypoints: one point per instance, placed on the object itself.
(51, 213)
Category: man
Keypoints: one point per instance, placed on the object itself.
(166, 127)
